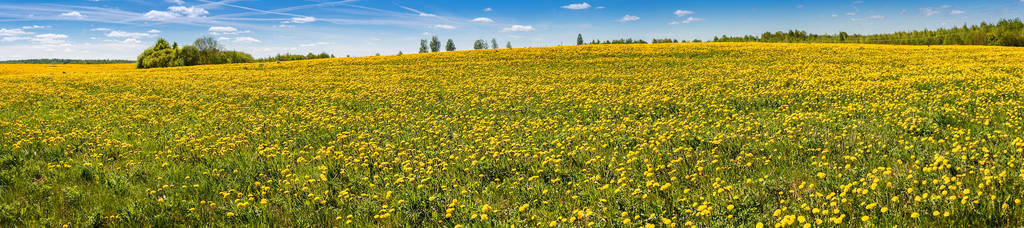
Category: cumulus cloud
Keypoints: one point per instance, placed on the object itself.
(131, 41)
(72, 14)
(577, 6)
(443, 27)
(13, 32)
(190, 11)
(518, 28)
(482, 20)
(682, 13)
(154, 15)
(629, 18)
(302, 20)
(246, 39)
(154, 31)
(175, 12)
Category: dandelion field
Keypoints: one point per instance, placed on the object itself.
(706, 135)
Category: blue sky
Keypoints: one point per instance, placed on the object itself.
(120, 29)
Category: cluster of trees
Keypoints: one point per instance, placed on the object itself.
(434, 45)
(1005, 33)
(579, 41)
(65, 61)
(290, 57)
(482, 44)
(203, 51)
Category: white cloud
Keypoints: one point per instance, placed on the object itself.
(443, 27)
(314, 44)
(154, 31)
(226, 30)
(629, 18)
(518, 28)
(246, 39)
(12, 38)
(682, 13)
(123, 34)
(50, 38)
(850, 14)
(100, 29)
(179, 2)
(872, 17)
(958, 12)
(74, 14)
(691, 20)
(946, 6)
(190, 11)
(131, 41)
(175, 12)
(302, 20)
(154, 15)
(482, 20)
(13, 32)
(34, 27)
(835, 15)
(488, 9)
(577, 6)
(223, 39)
(599, 7)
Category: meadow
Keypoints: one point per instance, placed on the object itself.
(664, 135)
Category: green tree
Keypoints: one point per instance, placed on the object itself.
(424, 46)
(508, 45)
(450, 46)
(189, 55)
(494, 43)
(479, 44)
(435, 44)
(579, 39)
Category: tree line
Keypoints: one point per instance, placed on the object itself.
(1004, 33)
(580, 41)
(434, 45)
(65, 61)
(205, 51)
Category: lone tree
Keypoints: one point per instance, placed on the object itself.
(494, 43)
(435, 44)
(450, 46)
(579, 39)
(508, 45)
(480, 44)
(424, 46)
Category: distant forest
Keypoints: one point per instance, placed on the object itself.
(1005, 33)
(64, 61)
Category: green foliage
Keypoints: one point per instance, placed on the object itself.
(292, 57)
(424, 47)
(450, 46)
(66, 61)
(480, 44)
(203, 51)
(1005, 33)
(579, 39)
(435, 44)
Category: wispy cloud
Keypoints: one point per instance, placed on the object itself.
(73, 14)
(482, 20)
(577, 6)
(872, 17)
(629, 18)
(518, 28)
(443, 27)
(246, 39)
(682, 13)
